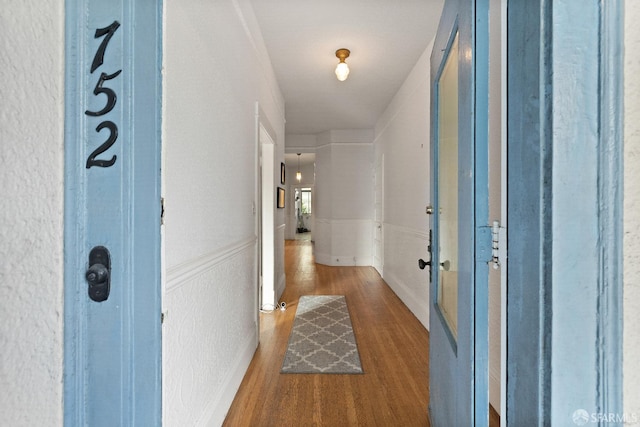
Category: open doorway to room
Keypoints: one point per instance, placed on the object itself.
(303, 206)
(266, 220)
(301, 200)
(397, 159)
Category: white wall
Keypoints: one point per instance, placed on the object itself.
(402, 135)
(323, 208)
(31, 221)
(305, 143)
(344, 198)
(631, 353)
(215, 69)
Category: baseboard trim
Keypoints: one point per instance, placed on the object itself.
(343, 260)
(418, 305)
(217, 410)
(282, 283)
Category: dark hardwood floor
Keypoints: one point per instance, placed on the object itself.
(393, 346)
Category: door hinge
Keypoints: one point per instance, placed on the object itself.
(495, 244)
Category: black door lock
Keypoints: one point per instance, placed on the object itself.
(99, 274)
(422, 263)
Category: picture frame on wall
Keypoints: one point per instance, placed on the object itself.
(280, 198)
(282, 173)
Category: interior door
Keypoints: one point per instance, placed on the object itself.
(378, 232)
(112, 213)
(458, 359)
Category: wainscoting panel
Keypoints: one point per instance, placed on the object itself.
(402, 249)
(209, 333)
(322, 246)
(344, 242)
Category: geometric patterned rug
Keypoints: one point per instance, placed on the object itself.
(322, 339)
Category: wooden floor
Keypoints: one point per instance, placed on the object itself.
(393, 346)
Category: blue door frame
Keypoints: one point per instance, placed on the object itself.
(564, 330)
(112, 367)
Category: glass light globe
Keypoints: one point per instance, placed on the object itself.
(342, 71)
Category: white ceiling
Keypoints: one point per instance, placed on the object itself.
(386, 38)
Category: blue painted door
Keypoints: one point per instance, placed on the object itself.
(112, 202)
(458, 351)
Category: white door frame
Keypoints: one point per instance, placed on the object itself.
(267, 206)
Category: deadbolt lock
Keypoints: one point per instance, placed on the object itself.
(98, 274)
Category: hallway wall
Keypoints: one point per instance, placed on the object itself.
(215, 69)
(344, 198)
(31, 221)
(402, 136)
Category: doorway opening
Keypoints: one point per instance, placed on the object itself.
(267, 218)
(303, 212)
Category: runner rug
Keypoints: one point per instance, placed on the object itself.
(322, 339)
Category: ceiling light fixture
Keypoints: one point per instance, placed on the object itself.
(298, 174)
(342, 70)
